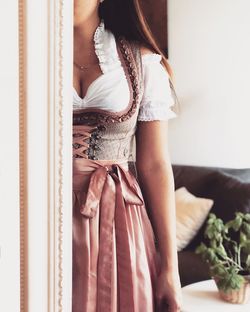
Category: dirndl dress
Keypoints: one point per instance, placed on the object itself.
(115, 259)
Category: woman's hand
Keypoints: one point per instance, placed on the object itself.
(168, 292)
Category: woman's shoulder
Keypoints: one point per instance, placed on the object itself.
(149, 56)
(145, 50)
(157, 96)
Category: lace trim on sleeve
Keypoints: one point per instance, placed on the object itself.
(155, 111)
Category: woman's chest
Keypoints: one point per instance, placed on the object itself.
(108, 91)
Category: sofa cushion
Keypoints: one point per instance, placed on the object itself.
(191, 212)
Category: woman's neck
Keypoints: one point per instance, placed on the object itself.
(84, 32)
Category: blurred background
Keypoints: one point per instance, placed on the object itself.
(208, 48)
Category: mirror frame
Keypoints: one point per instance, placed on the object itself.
(45, 132)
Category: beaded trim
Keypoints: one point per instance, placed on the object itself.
(102, 116)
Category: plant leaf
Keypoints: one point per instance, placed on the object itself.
(246, 246)
(247, 217)
(201, 248)
(246, 228)
(229, 224)
(221, 251)
(218, 270)
(243, 238)
(248, 261)
(237, 223)
(219, 225)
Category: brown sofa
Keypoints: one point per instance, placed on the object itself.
(230, 190)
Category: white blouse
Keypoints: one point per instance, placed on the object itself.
(110, 91)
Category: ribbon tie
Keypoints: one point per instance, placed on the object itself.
(126, 188)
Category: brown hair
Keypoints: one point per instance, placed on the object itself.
(125, 18)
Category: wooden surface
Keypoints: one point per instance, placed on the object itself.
(156, 16)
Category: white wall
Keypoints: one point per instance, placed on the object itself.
(9, 158)
(209, 50)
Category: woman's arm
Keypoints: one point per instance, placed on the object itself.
(156, 180)
(155, 176)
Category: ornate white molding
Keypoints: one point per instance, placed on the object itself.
(9, 158)
(45, 71)
(22, 155)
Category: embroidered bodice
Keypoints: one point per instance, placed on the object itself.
(100, 134)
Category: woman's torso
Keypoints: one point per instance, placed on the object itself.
(100, 131)
(105, 119)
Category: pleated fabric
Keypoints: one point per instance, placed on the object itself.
(115, 262)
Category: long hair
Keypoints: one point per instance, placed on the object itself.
(125, 18)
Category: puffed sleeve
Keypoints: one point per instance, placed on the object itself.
(157, 96)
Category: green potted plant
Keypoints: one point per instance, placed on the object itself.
(227, 251)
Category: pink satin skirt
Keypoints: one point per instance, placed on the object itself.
(115, 262)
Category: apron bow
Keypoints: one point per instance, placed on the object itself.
(129, 190)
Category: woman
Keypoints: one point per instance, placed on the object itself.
(121, 92)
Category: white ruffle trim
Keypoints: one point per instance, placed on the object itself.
(154, 112)
(105, 49)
